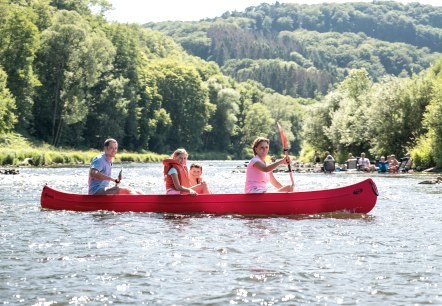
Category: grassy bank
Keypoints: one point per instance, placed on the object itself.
(16, 150)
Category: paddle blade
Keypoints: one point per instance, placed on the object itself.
(283, 138)
(120, 175)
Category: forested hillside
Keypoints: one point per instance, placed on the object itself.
(302, 50)
(71, 79)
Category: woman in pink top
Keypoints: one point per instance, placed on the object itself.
(259, 173)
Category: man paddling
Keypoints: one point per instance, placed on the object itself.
(100, 173)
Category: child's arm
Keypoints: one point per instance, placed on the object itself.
(177, 184)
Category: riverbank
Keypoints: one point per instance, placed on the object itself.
(17, 151)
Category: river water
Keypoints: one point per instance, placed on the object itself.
(391, 256)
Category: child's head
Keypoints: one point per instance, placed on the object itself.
(180, 155)
(196, 170)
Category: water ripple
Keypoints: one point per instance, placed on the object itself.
(388, 257)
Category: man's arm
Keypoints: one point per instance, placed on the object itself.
(94, 173)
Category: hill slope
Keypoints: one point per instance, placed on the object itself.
(302, 50)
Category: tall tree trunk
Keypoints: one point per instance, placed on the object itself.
(58, 133)
(56, 102)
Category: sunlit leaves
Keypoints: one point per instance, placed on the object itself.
(19, 41)
(72, 58)
(7, 106)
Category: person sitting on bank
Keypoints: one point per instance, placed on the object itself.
(259, 173)
(329, 164)
(176, 175)
(408, 162)
(393, 164)
(383, 165)
(364, 163)
(100, 172)
(352, 162)
(317, 158)
(195, 176)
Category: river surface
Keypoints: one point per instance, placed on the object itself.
(391, 256)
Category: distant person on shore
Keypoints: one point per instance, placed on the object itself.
(364, 163)
(383, 165)
(329, 164)
(100, 172)
(176, 175)
(195, 176)
(393, 164)
(408, 162)
(351, 162)
(327, 153)
(259, 173)
(350, 157)
(317, 158)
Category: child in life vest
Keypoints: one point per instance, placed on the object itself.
(177, 176)
(195, 176)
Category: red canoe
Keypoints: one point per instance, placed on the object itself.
(357, 198)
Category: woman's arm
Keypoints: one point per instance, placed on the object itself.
(274, 181)
(268, 168)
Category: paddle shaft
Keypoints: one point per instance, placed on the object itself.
(286, 150)
(289, 166)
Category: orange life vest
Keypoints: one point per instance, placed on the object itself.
(183, 174)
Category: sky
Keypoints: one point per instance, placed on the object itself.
(143, 11)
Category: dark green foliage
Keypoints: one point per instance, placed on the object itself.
(19, 41)
(339, 77)
(7, 105)
(382, 37)
(284, 77)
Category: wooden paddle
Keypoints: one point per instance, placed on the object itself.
(286, 150)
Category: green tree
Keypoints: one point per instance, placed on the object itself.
(225, 119)
(395, 119)
(429, 146)
(257, 122)
(250, 92)
(19, 41)
(128, 65)
(185, 98)
(7, 105)
(83, 7)
(317, 119)
(108, 111)
(287, 112)
(72, 59)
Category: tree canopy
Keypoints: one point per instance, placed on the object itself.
(338, 77)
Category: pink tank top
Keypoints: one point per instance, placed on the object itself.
(255, 179)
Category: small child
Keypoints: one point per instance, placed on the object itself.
(195, 177)
(176, 175)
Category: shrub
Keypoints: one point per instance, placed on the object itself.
(7, 158)
(422, 154)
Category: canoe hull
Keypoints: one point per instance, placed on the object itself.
(357, 198)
